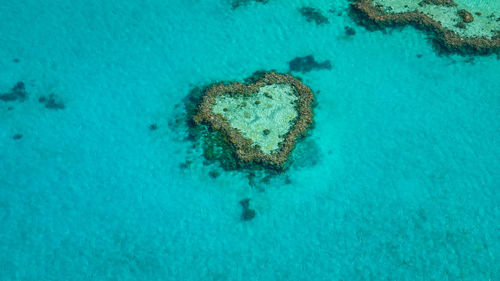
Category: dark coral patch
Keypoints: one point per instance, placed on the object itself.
(308, 63)
(237, 3)
(17, 93)
(214, 174)
(52, 102)
(17, 136)
(153, 127)
(247, 213)
(313, 15)
(466, 16)
(186, 164)
(349, 31)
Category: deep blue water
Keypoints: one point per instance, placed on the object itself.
(399, 179)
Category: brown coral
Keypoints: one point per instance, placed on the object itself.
(466, 16)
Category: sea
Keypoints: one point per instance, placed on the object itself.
(398, 179)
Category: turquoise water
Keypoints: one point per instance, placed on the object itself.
(399, 179)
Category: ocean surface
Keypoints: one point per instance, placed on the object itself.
(398, 180)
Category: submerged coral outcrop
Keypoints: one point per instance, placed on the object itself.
(237, 3)
(255, 124)
(455, 27)
(313, 15)
(17, 93)
(308, 63)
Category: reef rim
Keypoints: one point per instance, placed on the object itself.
(374, 17)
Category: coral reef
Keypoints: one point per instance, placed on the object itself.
(247, 213)
(349, 31)
(466, 16)
(252, 125)
(153, 127)
(17, 136)
(17, 93)
(449, 24)
(308, 63)
(313, 15)
(52, 102)
(237, 3)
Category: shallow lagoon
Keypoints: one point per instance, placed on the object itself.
(397, 180)
(263, 117)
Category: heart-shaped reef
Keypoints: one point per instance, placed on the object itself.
(260, 121)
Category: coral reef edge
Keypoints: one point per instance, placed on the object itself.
(374, 17)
